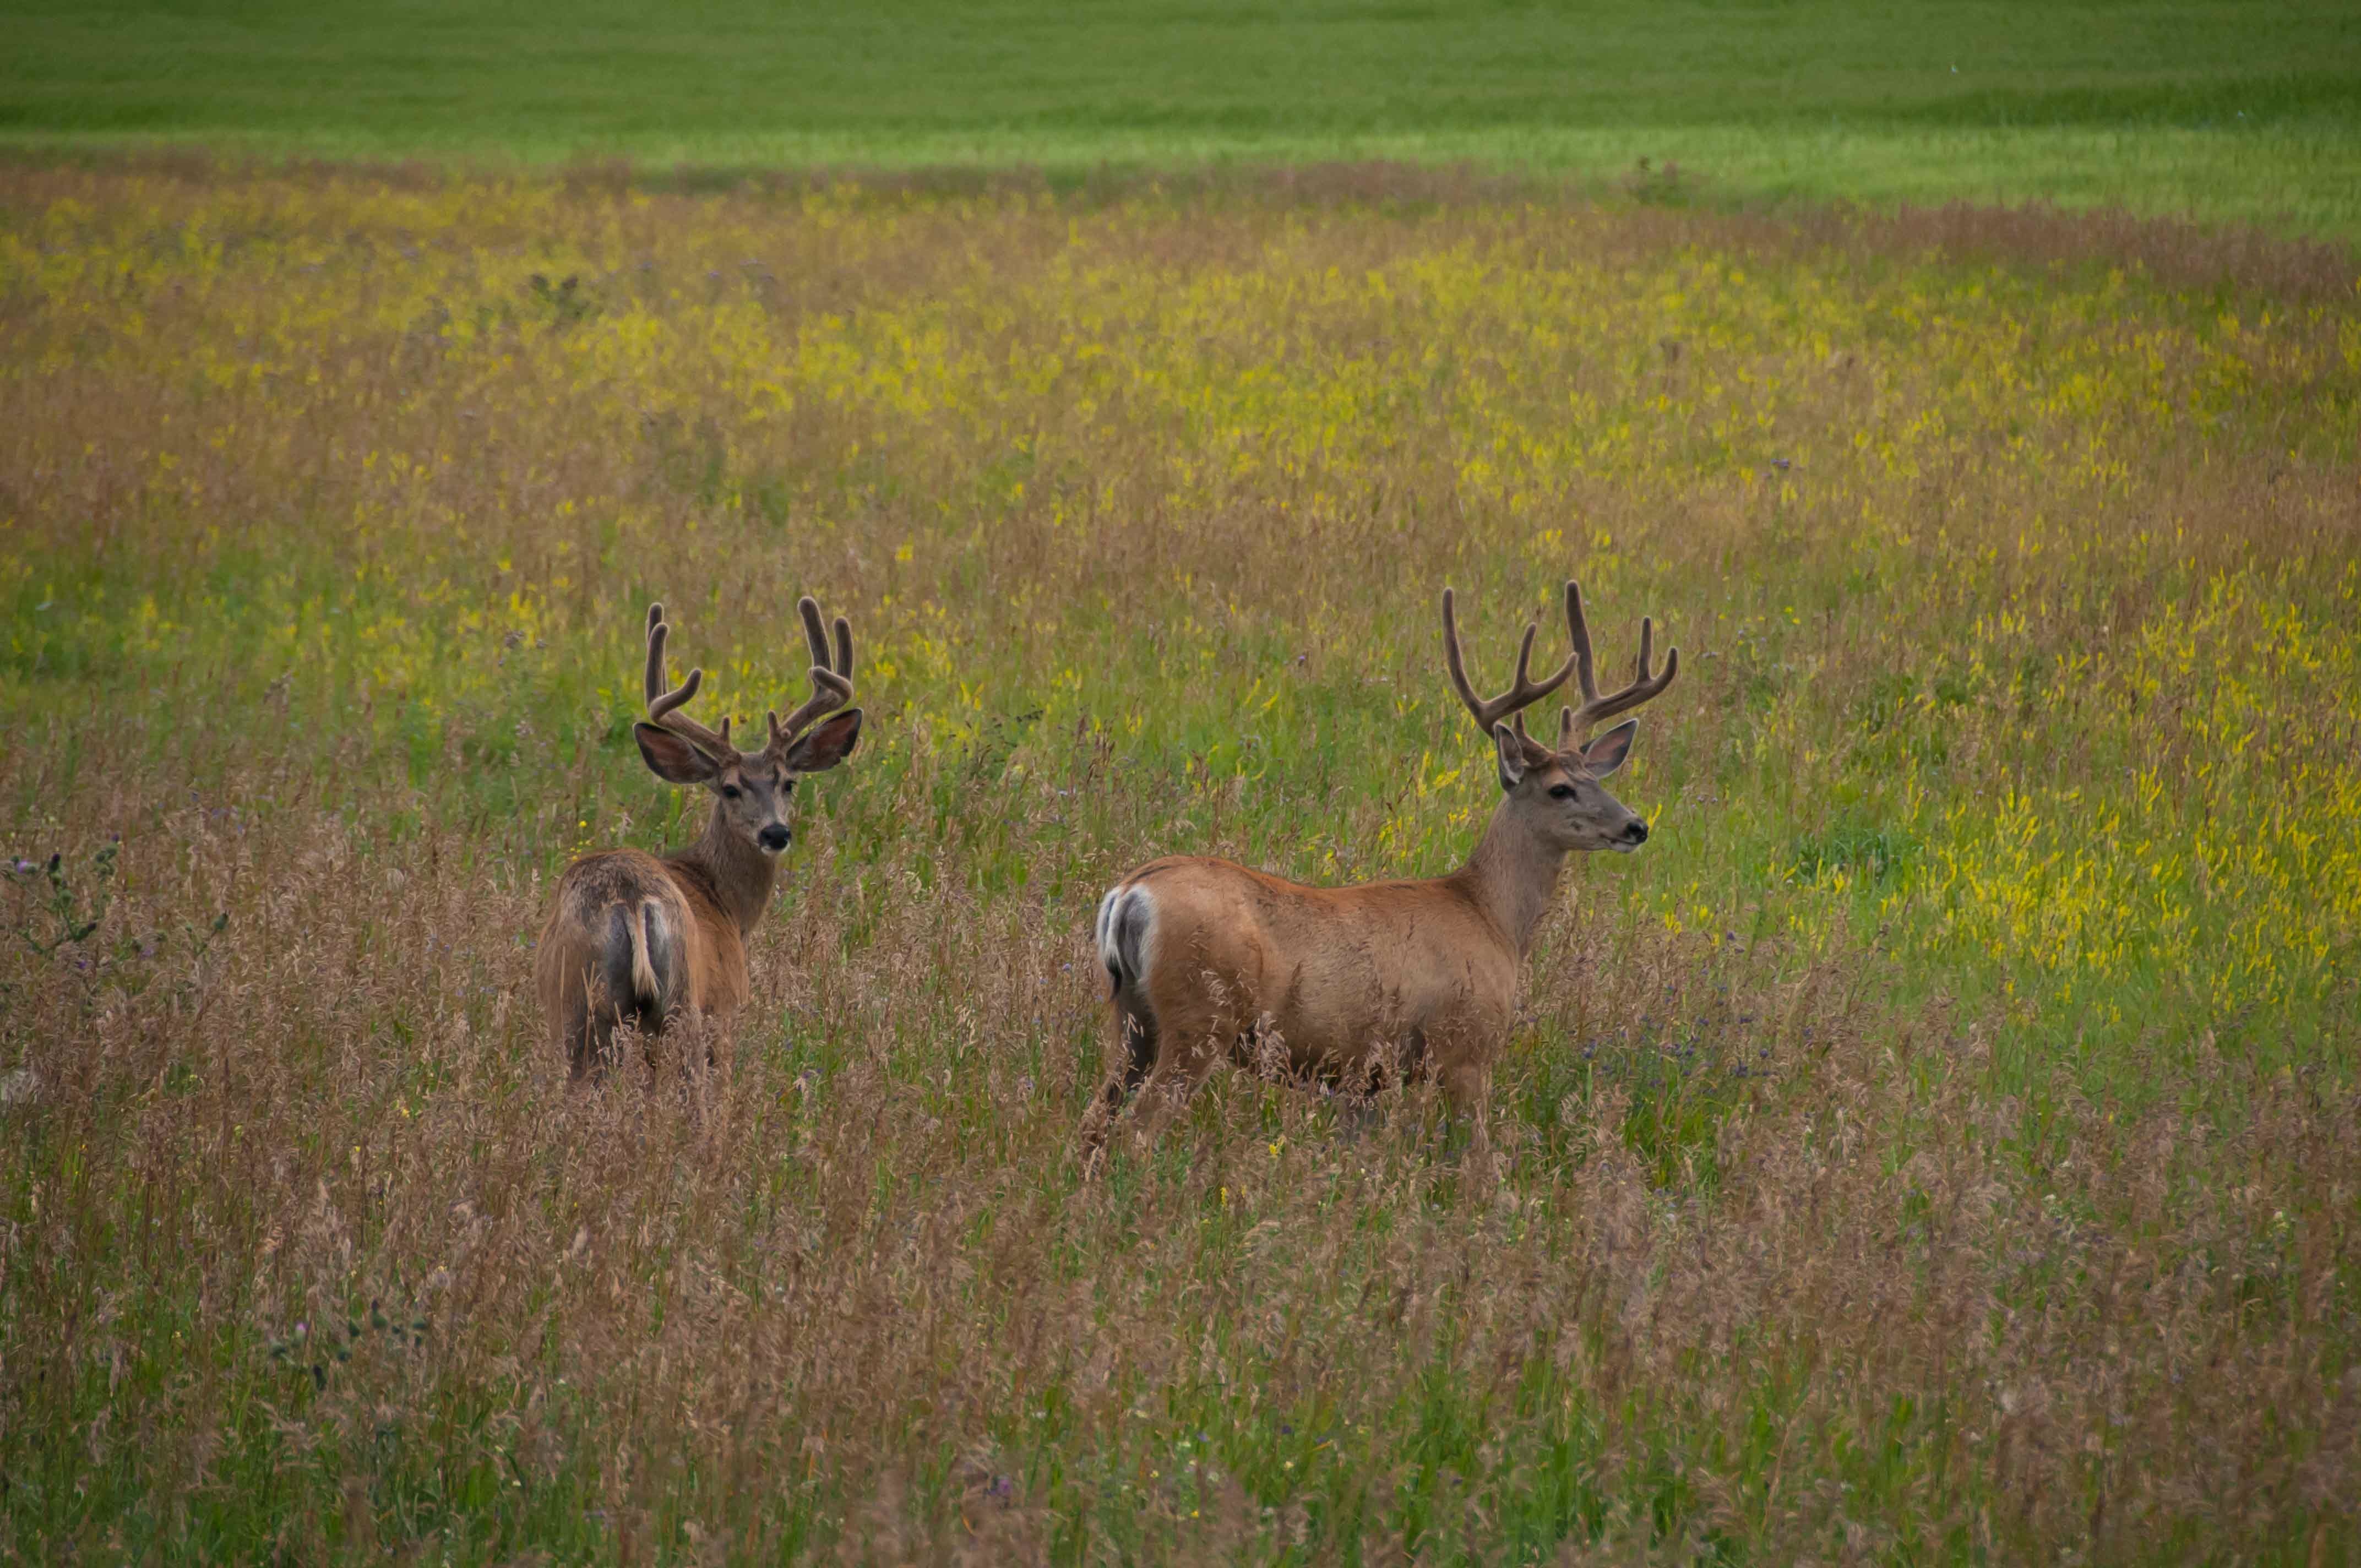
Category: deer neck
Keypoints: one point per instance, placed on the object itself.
(738, 874)
(1513, 874)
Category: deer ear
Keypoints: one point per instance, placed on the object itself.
(1606, 753)
(1510, 747)
(827, 745)
(672, 759)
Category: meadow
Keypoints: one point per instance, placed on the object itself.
(2222, 109)
(1939, 1144)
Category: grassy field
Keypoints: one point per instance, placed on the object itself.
(1939, 1144)
(2226, 111)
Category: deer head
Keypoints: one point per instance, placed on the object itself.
(1556, 789)
(752, 789)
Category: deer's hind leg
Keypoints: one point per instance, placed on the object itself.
(1136, 1035)
(587, 1022)
(1136, 1038)
(1182, 1035)
(1200, 1022)
(578, 1037)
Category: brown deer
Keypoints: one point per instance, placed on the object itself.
(1364, 985)
(642, 940)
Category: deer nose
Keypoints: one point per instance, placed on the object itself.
(775, 838)
(1635, 832)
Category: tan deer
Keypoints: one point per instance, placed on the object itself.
(642, 941)
(1366, 985)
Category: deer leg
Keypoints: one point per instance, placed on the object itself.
(1200, 1024)
(678, 1048)
(715, 1054)
(1352, 1095)
(1355, 1115)
(1136, 1033)
(1468, 1090)
(1136, 1038)
(1169, 1086)
(574, 1037)
(1187, 1033)
(586, 1028)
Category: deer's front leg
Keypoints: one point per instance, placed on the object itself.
(720, 1057)
(1467, 1093)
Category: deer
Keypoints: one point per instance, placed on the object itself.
(652, 942)
(1404, 980)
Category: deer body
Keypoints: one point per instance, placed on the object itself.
(634, 938)
(638, 939)
(1210, 962)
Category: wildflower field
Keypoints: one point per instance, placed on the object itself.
(1942, 1142)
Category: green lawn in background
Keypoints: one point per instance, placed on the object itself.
(2220, 111)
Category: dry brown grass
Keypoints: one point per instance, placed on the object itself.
(1855, 1212)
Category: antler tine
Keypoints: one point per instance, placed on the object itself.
(1579, 629)
(663, 706)
(815, 631)
(1523, 693)
(827, 691)
(1644, 686)
(1450, 660)
(656, 629)
(831, 674)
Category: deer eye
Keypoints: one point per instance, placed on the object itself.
(1561, 791)
(731, 791)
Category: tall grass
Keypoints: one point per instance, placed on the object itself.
(1939, 1144)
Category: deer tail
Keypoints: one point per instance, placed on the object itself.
(644, 984)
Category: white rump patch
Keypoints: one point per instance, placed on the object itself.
(1126, 916)
(1099, 932)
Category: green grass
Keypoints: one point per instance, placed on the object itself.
(2224, 112)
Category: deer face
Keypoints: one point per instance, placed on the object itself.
(752, 791)
(754, 798)
(1561, 793)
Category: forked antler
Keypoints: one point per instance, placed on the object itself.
(1525, 691)
(664, 706)
(831, 677)
(1572, 722)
